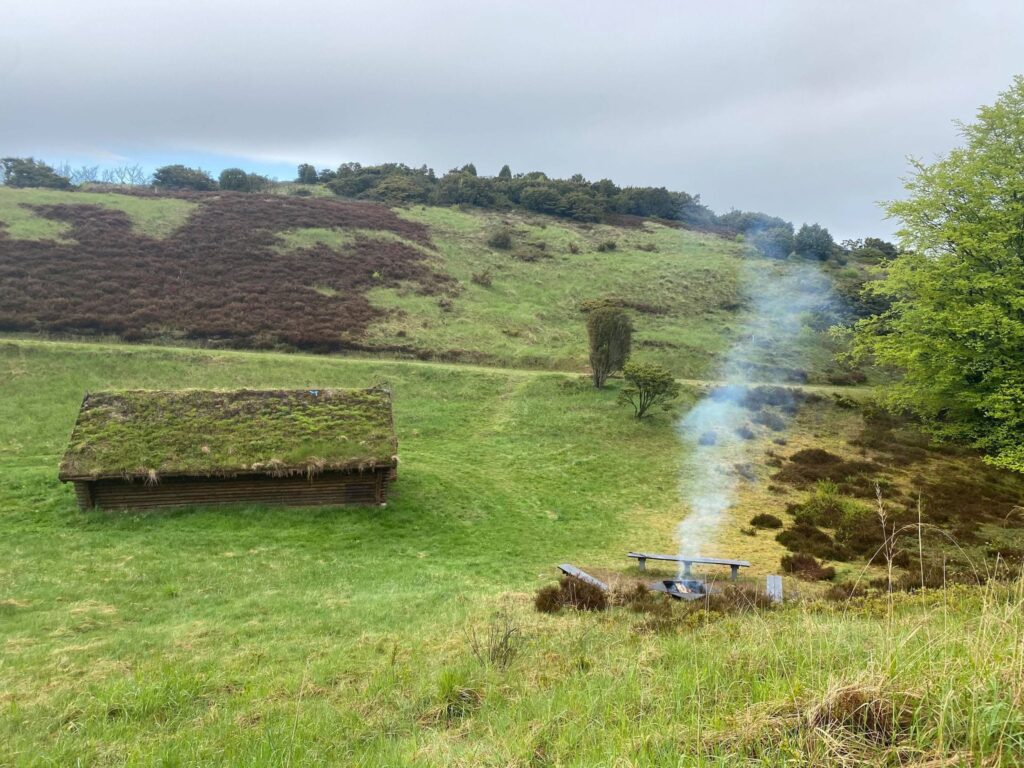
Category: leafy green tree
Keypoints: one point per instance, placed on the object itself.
(505, 172)
(399, 189)
(307, 174)
(464, 188)
(28, 172)
(611, 336)
(234, 179)
(887, 249)
(813, 241)
(774, 242)
(181, 177)
(955, 327)
(542, 197)
(257, 182)
(648, 385)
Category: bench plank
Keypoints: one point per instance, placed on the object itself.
(734, 565)
(572, 570)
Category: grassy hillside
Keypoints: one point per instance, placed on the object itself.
(266, 636)
(326, 275)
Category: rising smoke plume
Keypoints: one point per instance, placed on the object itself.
(772, 348)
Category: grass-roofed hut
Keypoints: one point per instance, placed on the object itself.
(142, 448)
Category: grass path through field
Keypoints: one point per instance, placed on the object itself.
(854, 391)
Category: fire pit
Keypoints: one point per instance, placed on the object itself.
(681, 589)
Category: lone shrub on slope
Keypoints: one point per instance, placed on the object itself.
(611, 336)
(648, 385)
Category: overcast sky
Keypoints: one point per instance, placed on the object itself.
(801, 109)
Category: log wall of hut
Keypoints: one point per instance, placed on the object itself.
(327, 488)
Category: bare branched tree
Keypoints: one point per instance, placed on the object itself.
(125, 175)
(64, 169)
(85, 174)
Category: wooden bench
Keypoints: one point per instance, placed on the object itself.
(643, 557)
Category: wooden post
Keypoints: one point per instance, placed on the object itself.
(378, 491)
(774, 588)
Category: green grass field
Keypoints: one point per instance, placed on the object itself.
(156, 217)
(530, 314)
(266, 636)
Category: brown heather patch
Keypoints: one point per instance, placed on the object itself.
(217, 279)
(807, 467)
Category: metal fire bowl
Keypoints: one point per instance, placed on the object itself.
(693, 589)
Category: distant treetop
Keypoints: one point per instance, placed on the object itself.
(28, 172)
(182, 177)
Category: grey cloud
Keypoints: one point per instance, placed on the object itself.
(802, 109)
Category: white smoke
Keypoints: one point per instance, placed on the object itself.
(772, 347)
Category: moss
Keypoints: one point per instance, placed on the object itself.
(210, 432)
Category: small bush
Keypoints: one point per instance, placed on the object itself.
(860, 531)
(607, 245)
(573, 248)
(663, 614)
(901, 558)
(745, 432)
(501, 240)
(640, 599)
(772, 420)
(825, 506)
(483, 278)
(582, 595)
(810, 539)
(570, 592)
(814, 457)
(873, 713)
(734, 599)
(745, 470)
(847, 590)
(765, 520)
(548, 599)
(807, 567)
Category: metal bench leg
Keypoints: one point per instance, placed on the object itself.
(686, 569)
(735, 571)
(641, 563)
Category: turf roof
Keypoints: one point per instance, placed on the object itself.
(153, 434)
